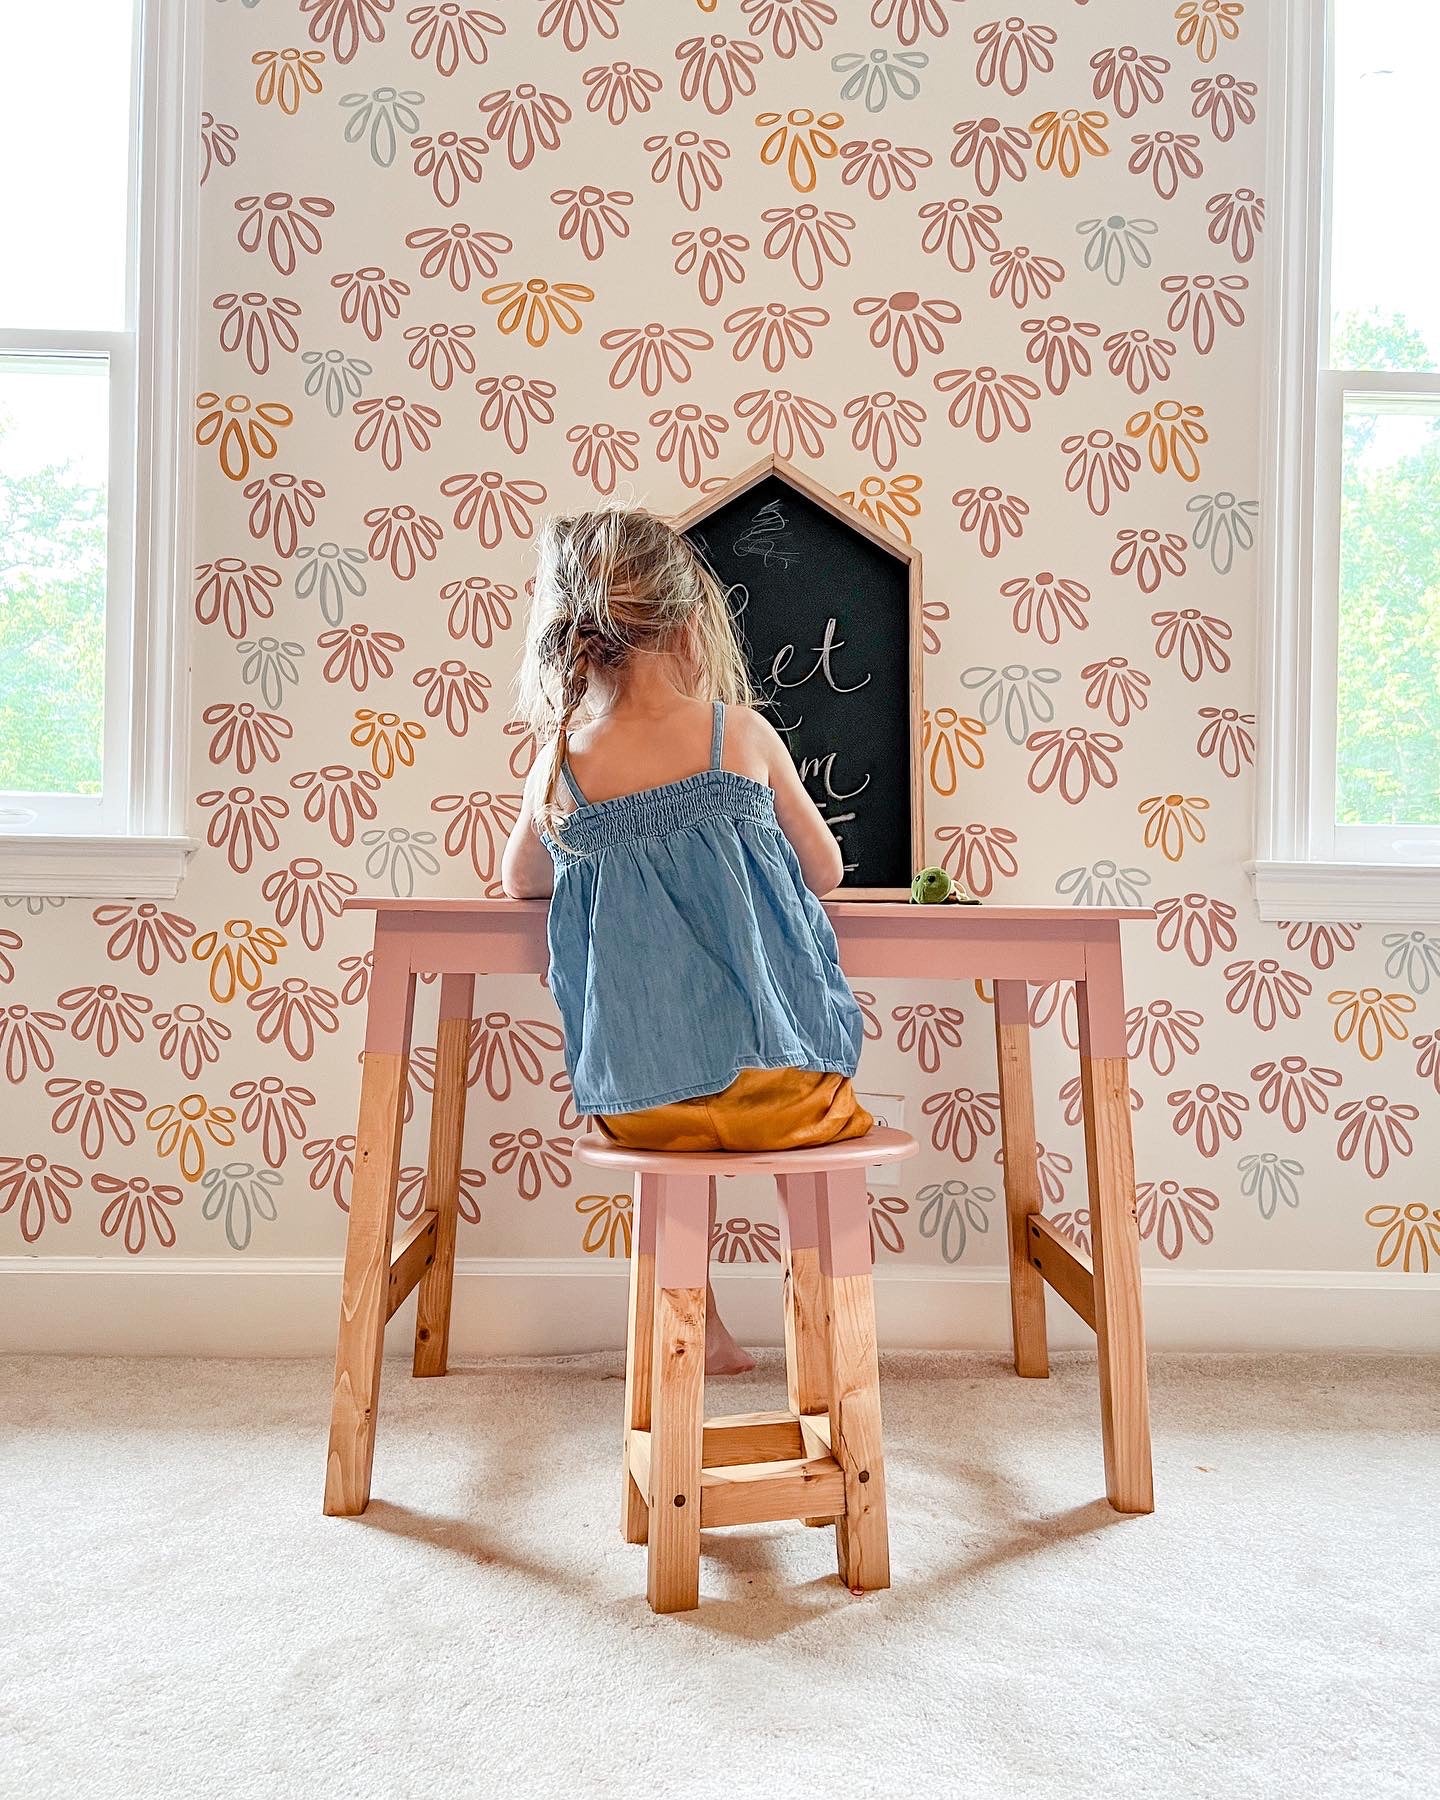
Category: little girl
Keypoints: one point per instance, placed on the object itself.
(696, 973)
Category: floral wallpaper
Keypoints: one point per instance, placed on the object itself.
(995, 279)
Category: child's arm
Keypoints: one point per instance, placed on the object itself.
(799, 818)
(526, 871)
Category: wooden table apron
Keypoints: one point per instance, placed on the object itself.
(1011, 946)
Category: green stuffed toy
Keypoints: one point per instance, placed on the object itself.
(933, 886)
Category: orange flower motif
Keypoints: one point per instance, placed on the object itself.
(1170, 819)
(889, 500)
(608, 1228)
(1171, 432)
(181, 1131)
(1409, 1233)
(951, 739)
(1062, 138)
(390, 740)
(237, 954)
(1204, 22)
(538, 304)
(285, 75)
(1370, 1016)
(241, 428)
(800, 138)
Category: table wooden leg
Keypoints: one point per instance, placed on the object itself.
(1022, 1174)
(639, 1349)
(1110, 1161)
(677, 1408)
(442, 1183)
(366, 1282)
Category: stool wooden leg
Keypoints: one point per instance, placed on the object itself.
(806, 1358)
(682, 1255)
(442, 1184)
(639, 1348)
(366, 1282)
(862, 1534)
(1110, 1161)
(1022, 1174)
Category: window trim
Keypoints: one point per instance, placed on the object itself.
(143, 849)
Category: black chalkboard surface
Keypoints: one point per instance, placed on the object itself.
(827, 614)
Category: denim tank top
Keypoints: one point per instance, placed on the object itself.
(685, 945)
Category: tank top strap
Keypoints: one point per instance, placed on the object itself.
(717, 736)
(576, 793)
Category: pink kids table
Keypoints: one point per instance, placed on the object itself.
(1012, 946)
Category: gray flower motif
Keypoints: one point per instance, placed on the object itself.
(1102, 884)
(396, 854)
(951, 1210)
(270, 663)
(1222, 526)
(240, 1193)
(880, 77)
(1414, 959)
(1014, 695)
(1114, 242)
(34, 904)
(329, 573)
(382, 116)
(337, 377)
(1268, 1178)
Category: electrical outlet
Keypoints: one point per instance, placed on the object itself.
(887, 1109)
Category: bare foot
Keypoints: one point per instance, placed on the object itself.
(723, 1356)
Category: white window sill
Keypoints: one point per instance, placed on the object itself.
(1362, 893)
(136, 868)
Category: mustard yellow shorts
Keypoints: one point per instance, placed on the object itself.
(762, 1109)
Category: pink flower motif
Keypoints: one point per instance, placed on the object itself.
(217, 145)
(881, 167)
(618, 89)
(741, 1240)
(369, 297)
(1265, 990)
(441, 351)
(691, 161)
(533, 1156)
(1074, 1225)
(389, 423)
(332, 1164)
(342, 23)
(283, 225)
(241, 822)
(963, 229)
(992, 151)
(293, 1011)
(246, 733)
(479, 609)
(91, 1109)
(1293, 1089)
(810, 239)
(399, 535)
(716, 255)
(1024, 275)
(991, 514)
(1197, 924)
(988, 400)
(886, 1211)
(1126, 78)
(906, 325)
(1148, 556)
(491, 502)
(648, 353)
(1010, 50)
(792, 24)
(1197, 639)
(924, 1029)
(445, 33)
(1057, 344)
(1162, 1032)
(976, 854)
(189, 1036)
(235, 592)
(1236, 219)
(410, 1193)
(1208, 1113)
(1071, 760)
(689, 437)
(454, 692)
(510, 403)
(447, 160)
(338, 796)
(1199, 300)
(1373, 1127)
(1322, 942)
(882, 423)
(137, 1207)
(501, 1051)
(717, 70)
(1100, 467)
(273, 1108)
(1139, 357)
(253, 322)
(481, 824)
(961, 1119)
(1226, 736)
(40, 1188)
(306, 890)
(1045, 602)
(459, 252)
(1116, 686)
(358, 652)
(789, 424)
(105, 1014)
(1225, 101)
(143, 931)
(9, 940)
(280, 505)
(776, 330)
(1166, 1211)
(525, 119)
(602, 453)
(1165, 156)
(910, 17)
(590, 212)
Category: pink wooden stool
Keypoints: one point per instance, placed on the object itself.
(820, 1460)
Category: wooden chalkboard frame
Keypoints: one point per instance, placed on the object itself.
(902, 552)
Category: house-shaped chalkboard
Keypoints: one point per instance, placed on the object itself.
(828, 608)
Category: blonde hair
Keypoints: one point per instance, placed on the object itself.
(611, 585)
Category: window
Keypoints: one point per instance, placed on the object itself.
(96, 139)
(1349, 819)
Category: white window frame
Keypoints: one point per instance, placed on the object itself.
(1305, 866)
(137, 844)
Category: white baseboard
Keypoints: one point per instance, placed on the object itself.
(534, 1306)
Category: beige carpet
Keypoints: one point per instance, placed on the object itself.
(179, 1619)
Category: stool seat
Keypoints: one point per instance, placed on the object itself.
(882, 1145)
